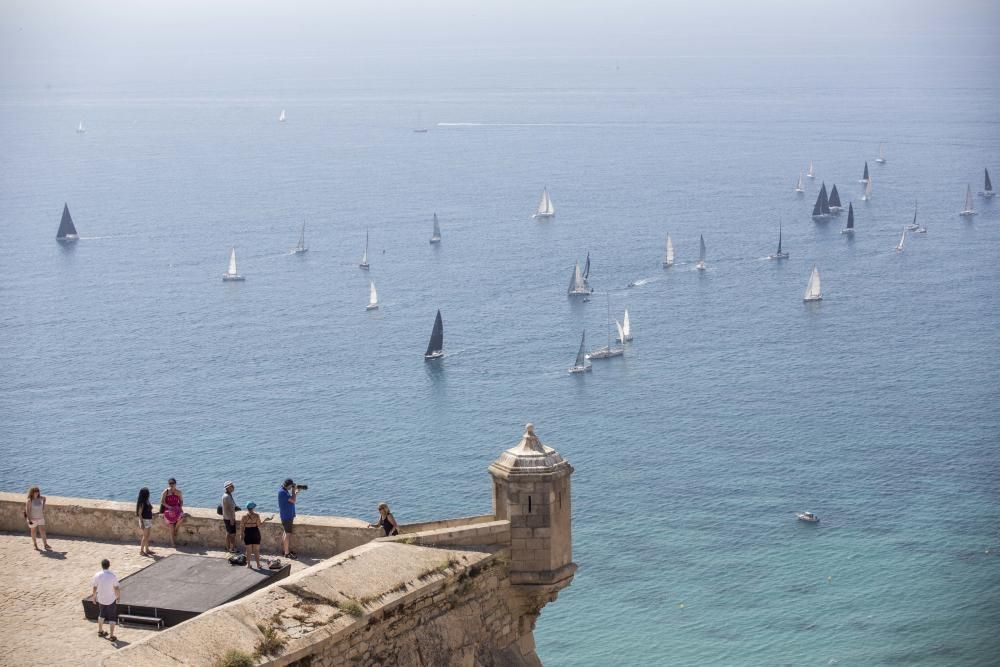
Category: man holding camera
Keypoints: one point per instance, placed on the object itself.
(287, 496)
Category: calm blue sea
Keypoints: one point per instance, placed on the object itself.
(125, 360)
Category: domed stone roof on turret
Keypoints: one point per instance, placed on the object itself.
(530, 457)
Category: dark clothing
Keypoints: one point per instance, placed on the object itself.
(287, 525)
(251, 535)
(109, 612)
(387, 525)
(146, 511)
(230, 526)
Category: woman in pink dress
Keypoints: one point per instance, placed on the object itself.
(172, 508)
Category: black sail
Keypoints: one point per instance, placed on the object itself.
(850, 215)
(66, 226)
(989, 185)
(437, 337)
(586, 267)
(865, 177)
(779, 238)
(834, 198)
(822, 206)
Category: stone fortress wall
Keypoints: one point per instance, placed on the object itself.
(454, 592)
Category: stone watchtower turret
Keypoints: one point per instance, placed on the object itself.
(531, 490)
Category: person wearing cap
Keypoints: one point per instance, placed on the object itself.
(286, 509)
(229, 510)
(251, 533)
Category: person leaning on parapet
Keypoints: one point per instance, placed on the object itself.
(287, 495)
(229, 510)
(106, 593)
(34, 514)
(386, 520)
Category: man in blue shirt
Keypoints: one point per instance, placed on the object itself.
(286, 509)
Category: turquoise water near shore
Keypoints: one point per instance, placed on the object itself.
(125, 360)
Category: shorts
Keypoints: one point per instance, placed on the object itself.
(230, 526)
(37, 522)
(145, 523)
(108, 612)
(287, 525)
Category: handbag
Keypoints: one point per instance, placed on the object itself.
(218, 510)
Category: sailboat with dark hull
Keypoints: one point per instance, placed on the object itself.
(988, 187)
(779, 254)
(581, 365)
(821, 209)
(849, 229)
(834, 201)
(67, 230)
(435, 348)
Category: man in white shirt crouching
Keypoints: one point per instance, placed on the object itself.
(106, 595)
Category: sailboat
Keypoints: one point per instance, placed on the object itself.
(849, 229)
(545, 208)
(435, 348)
(881, 156)
(586, 267)
(300, 247)
(967, 210)
(834, 200)
(798, 186)
(913, 226)
(608, 351)
(364, 258)
(80, 129)
(578, 284)
(899, 246)
(821, 210)
(420, 127)
(67, 230)
(436, 234)
(281, 116)
(811, 173)
(867, 195)
(779, 254)
(232, 275)
(813, 292)
(701, 253)
(864, 177)
(668, 260)
(581, 365)
(624, 329)
(372, 296)
(988, 190)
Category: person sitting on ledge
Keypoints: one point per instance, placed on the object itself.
(386, 520)
(172, 508)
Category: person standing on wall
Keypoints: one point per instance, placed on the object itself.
(106, 593)
(287, 495)
(229, 510)
(34, 513)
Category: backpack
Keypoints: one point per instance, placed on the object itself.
(238, 559)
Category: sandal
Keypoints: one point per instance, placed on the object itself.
(291, 554)
(102, 633)
(112, 638)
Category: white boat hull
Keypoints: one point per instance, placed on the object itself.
(780, 255)
(821, 216)
(586, 292)
(371, 306)
(700, 266)
(967, 214)
(987, 195)
(807, 519)
(543, 216)
(605, 353)
(846, 231)
(880, 160)
(300, 251)
(433, 355)
(813, 298)
(586, 368)
(69, 238)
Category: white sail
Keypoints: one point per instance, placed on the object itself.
(881, 155)
(902, 239)
(798, 186)
(868, 189)
(621, 331)
(627, 326)
(811, 173)
(79, 128)
(545, 207)
(670, 251)
(232, 262)
(578, 284)
(372, 294)
(436, 233)
(968, 210)
(813, 292)
(364, 257)
(281, 117)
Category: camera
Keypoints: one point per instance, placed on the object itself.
(301, 487)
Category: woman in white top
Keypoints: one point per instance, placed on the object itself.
(34, 512)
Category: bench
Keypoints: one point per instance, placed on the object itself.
(135, 618)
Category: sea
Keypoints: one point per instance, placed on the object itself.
(125, 359)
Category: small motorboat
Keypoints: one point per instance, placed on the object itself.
(808, 517)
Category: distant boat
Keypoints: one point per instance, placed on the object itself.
(586, 267)
(849, 229)
(821, 210)
(300, 247)
(435, 348)
(988, 189)
(867, 195)
(701, 253)
(80, 129)
(808, 517)
(420, 127)
(545, 208)
(902, 239)
(436, 234)
(813, 292)
(881, 155)
(372, 296)
(864, 177)
(798, 186)
(668, 260)
(624, 329)
(608, 351)
(913, 226)
(67, 230)
(581, 365)
(811, 173)
(232, 275)
(779, 254)
(967, 210)
(834, 200)
(364, 258)
(281, 116)
(578, 284)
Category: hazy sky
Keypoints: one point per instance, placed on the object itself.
(41, 38)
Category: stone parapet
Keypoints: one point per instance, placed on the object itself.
(487, 534)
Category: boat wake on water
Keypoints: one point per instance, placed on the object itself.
(639, 283)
